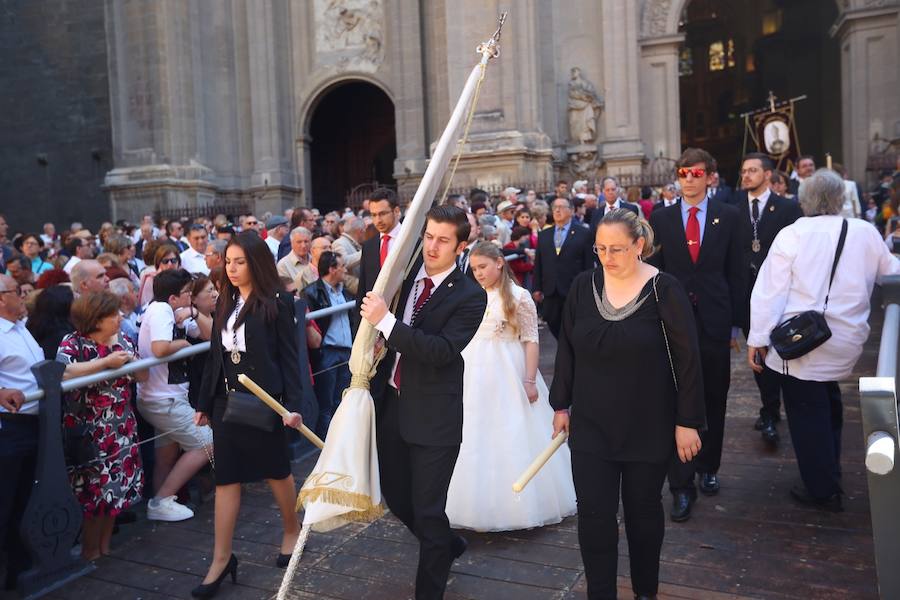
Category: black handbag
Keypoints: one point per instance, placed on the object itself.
(242, 408)
(805, 332)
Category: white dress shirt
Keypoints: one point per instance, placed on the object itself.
(387, 322)
(394, 233)
(194, 262)
(794, 279)
(18, 353)
(70, 264)
(273, 245)
(763, 198)
(228, 335)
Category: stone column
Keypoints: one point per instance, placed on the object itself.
(659, 95)
(274, 181)
(621, 147)
(868, 32)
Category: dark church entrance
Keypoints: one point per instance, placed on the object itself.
(353, 142)
(736, 52)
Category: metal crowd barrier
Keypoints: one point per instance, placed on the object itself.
(878, 404)
(53, 516)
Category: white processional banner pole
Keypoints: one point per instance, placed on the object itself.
(344, 486)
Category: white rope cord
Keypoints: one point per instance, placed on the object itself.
(296, 555)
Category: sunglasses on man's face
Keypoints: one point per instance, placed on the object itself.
(694, 172)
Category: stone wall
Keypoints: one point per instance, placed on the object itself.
(55, 130)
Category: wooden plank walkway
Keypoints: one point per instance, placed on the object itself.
(750, 541)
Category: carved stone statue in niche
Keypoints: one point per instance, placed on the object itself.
(583, 108)
(583, 164)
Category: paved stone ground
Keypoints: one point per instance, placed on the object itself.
(751, 541)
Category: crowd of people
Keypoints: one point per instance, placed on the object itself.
(656, 284)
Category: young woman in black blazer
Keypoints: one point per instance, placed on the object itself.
(253, 333)
(627, 368)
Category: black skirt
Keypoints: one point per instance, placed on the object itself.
(245, 454)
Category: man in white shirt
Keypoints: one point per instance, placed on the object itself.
(18, 423)
(79, 248)
(349, 246)
(276, 229)
(163, 398)
(193, 260)
(291, 265)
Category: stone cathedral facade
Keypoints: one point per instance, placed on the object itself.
(212, 101)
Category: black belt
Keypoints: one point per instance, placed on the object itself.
(19, 417)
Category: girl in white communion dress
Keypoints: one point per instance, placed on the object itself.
(507, 417)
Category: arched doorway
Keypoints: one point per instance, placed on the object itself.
(734, 53)
(352, 141)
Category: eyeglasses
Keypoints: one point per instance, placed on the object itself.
(695, 172)
(252, 222)
(612, 251)
(169, 261)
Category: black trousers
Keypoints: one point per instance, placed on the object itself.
(551, 310)
(715, 359)
(815, 418)
(414, 481)
(597, 490)
(769, 384)
(18, 458)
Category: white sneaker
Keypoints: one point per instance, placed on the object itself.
(166, 509)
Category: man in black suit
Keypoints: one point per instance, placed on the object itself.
(563, 251)
(765, 213)
(701, 244)
(609, 186)
(462, 260)
(385, 211)
(419, 420)
(669, 196)
(719, 190)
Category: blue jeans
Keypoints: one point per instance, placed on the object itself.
(330, 383)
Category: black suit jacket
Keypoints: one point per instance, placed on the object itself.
(717, 283)
(431, 409)
(553, 274)
(369, 267)
(778, 213)
(271, 359)
(724, 194)
(600, 212)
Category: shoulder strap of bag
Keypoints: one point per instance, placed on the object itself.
(837, 257)
(665, 335)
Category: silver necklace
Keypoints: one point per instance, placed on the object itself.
(610, 312)
(235, 354)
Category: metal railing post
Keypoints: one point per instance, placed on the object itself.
(53, 516)
(881, 432)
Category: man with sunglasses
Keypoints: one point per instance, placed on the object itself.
(701, 243)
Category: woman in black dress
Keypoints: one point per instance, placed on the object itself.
(253, 333)
(628, 389)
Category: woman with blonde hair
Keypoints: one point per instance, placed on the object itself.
(628, 368)
(506, 416)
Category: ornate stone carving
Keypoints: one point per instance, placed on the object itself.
(583, 109)
(350, 32)
(656, 17)
(583, 162)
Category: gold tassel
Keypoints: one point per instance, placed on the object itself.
(363, 509)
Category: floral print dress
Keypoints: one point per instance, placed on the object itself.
(114, 480)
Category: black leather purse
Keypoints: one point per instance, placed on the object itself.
(242, 408)
(805, 332)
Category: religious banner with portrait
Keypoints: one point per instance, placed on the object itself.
(773, 131)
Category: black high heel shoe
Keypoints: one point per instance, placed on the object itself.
(208, 590)
(282, 561)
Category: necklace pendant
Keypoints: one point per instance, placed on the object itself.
(756, 246)
(235, 356)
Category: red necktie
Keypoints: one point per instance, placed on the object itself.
(420, 302)
(384, 248)
(692, 233)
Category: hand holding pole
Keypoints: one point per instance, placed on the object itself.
(539, 462)
(278, 408)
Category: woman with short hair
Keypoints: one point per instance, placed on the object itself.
(100, 429)
(795, 278)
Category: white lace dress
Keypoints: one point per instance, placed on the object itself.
(503, 432)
